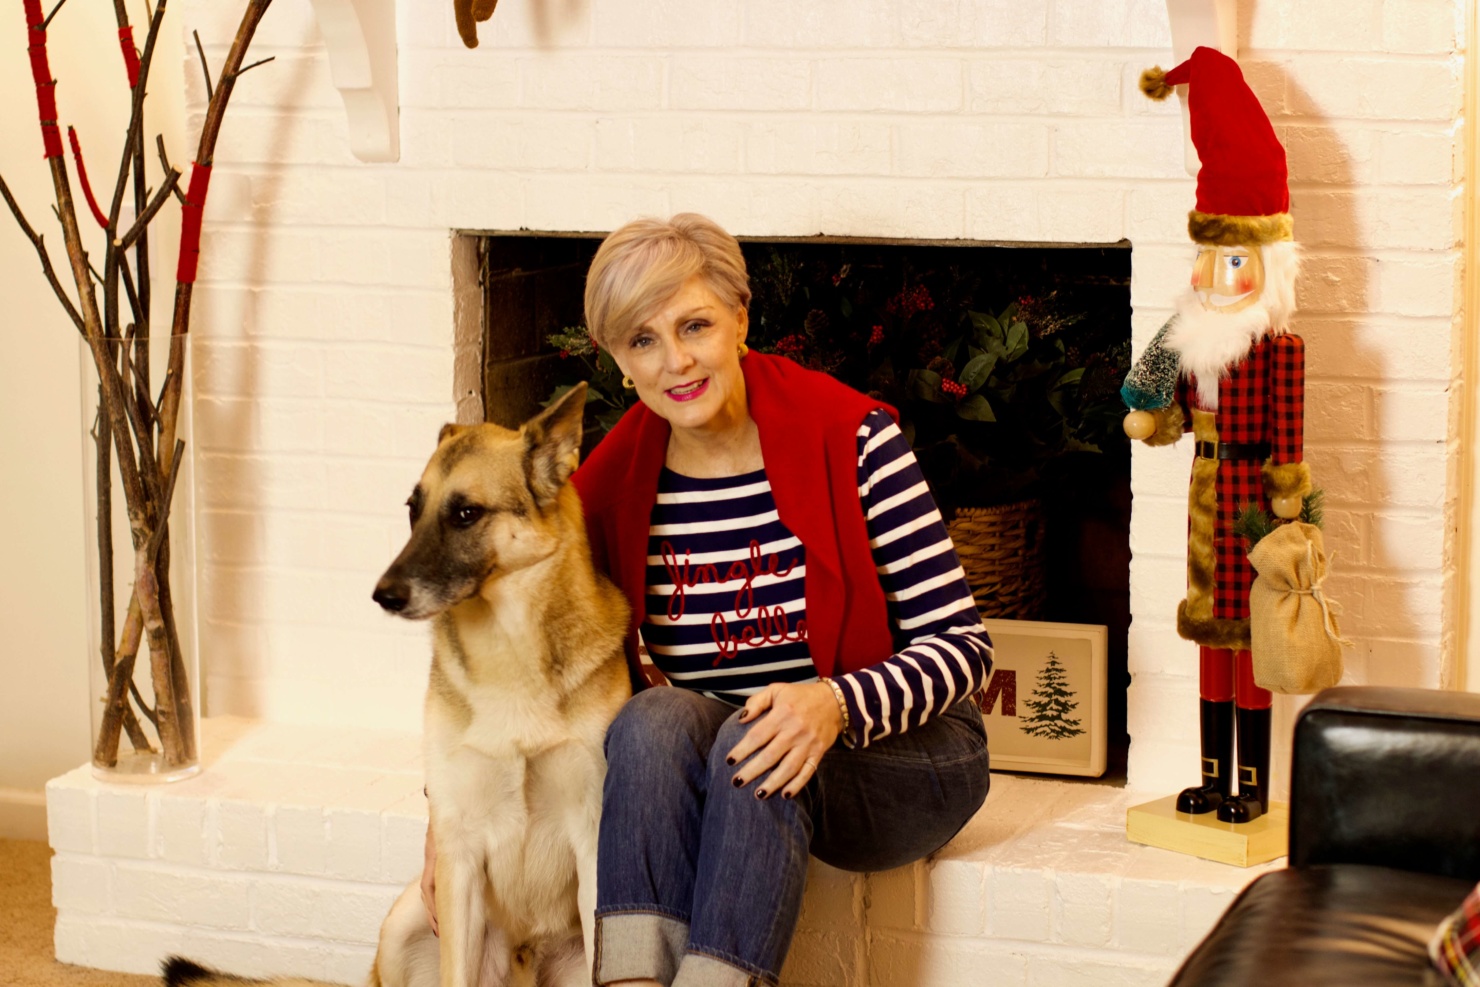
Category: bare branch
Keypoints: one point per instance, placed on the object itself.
(136, 113)
(46, 268)
(47, 22)
(143, 706)
(164, 507)
(245, 69)
(139, 336)
(135, 302)
(163, 388)
(171, 180)
(103, 442)
(109, 315)
(164, 160)
(204, 68)
(143, 435)
(145, 406)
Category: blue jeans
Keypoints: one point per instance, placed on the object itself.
(700, 883)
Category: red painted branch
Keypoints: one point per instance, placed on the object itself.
(87, 191)
(190, 220)
(205, 154)
(130, 54)
(46, 86)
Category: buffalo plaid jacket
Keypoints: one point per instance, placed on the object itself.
(1262, 399)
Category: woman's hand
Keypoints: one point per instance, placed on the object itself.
(429, 881)
(801, 721)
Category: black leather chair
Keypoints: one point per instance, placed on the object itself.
(1384, 843)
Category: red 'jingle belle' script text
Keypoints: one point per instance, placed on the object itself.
(772, 626)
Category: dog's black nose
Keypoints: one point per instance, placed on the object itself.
(392, 598)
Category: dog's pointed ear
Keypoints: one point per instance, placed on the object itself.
(449, 431)
(552, 443)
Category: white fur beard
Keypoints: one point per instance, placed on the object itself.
(1208, 343)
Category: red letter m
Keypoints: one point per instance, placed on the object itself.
(1003, 683)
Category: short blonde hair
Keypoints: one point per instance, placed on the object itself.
(643, 264)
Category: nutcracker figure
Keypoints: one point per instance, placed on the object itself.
(1226, 368)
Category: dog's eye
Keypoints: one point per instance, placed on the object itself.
(466, 516)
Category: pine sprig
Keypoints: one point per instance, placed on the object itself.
(1313, 508)
(1253, 522)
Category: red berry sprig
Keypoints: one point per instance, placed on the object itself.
(877, 336)
(953, 388)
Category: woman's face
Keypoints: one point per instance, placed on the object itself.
(685, 359)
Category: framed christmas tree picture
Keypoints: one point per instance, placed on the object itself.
(1044, 702)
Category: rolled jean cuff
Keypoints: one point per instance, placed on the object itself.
(639, 946)
(706, 970)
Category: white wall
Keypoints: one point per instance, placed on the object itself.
(44, 705)
(324, 350)
(326, 361)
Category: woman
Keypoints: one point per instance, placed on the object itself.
(791, 576)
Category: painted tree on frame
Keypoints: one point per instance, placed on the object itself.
(1051, 704)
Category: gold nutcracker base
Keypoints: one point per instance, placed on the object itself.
(1159, 824)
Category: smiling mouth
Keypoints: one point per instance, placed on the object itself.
(1223, 301)
(687, 392)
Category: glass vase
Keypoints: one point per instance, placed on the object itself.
(144, 680)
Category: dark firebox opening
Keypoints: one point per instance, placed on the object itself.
(1005, 361)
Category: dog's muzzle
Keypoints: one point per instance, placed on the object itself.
(393, 597)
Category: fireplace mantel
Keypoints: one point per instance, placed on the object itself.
(360, 36)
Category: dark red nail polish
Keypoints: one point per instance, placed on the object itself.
(786, 795)
(739, 783)
(760, 793)
(730, 761)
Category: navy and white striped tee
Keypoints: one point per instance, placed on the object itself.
(726, 611)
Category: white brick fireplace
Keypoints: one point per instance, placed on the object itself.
(325, 350)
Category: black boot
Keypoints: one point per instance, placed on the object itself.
(1253, 769)
(1217, 760)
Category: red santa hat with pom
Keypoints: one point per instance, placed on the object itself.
(1243, 189)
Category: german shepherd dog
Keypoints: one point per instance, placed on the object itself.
(527, 673)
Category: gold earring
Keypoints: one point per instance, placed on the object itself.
(743, 349)
(629, 383)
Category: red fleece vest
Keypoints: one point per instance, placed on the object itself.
(808, 424)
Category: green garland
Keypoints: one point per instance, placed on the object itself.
(1005, 366)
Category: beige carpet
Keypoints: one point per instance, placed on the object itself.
(26, 919)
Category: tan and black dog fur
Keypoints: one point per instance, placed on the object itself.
(527, 673)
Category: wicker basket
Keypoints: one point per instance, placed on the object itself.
(1002, 551)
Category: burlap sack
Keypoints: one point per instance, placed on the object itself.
(1295, 640)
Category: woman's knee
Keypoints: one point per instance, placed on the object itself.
(730, 733)
(661, 719)
(722, 771)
